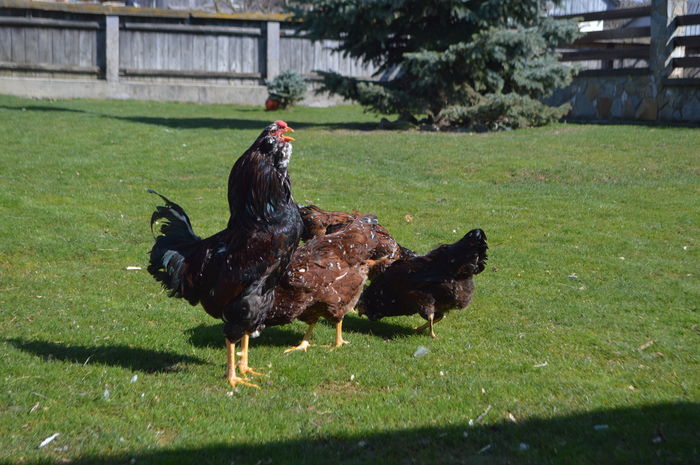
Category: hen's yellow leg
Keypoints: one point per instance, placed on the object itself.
(231, 376)
(304, 344)
(339, 341)
(431, 322)
(243, 363)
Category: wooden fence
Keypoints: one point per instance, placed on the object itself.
(621, 49)
(165, 47)
(633, 60)
(685, 63)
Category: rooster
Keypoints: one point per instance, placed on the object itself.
(430, 284)
(326, 276)
(232, 274)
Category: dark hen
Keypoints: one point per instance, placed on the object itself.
(430, 284)
(232, 274)
(326, 276)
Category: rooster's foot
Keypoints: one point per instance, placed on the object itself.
(235, 381)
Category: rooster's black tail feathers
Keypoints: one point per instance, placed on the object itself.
(167, 258)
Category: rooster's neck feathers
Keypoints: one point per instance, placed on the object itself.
(259, 188)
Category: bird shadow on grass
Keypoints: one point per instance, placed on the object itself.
(382, 329)
(664, 433)
(133, 358)
(212, 336)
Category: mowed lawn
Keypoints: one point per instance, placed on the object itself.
(581, 344)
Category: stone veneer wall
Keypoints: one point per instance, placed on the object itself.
(630, 97)
(647, 94)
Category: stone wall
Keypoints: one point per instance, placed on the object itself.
(627, 98)
(658, 93)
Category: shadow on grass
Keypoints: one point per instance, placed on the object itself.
(256, 124)
(658, 434)
(40, 108)
(212, 336)
(133, 358)
(382, 328)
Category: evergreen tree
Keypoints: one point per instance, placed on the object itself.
(476, 63)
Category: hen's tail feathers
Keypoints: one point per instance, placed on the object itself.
(168, 253)
(477, 240)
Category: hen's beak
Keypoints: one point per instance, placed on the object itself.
(288, 138)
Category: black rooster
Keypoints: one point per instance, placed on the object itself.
(233, 273)
(430, 284)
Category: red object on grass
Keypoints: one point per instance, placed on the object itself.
(272, 104)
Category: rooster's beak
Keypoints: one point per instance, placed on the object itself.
(288, 138)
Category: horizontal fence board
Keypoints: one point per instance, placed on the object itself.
(692, 82)
(687, 20)
(176, 73)
(601, 45)
(620, 13)
(607, 54)
(614, 72)
(620, 33)
(48, 67)
(194, 29)
(686, 41)
(47, 22)
(686, 62)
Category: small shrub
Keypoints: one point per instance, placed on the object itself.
(503, 111)
(288, 88)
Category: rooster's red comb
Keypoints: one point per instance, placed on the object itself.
(281, 123)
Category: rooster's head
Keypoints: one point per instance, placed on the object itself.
(277, 130)
(274, 141)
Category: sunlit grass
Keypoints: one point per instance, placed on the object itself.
(587, 315)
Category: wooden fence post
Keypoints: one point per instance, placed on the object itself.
(272, 62)
(112, 48)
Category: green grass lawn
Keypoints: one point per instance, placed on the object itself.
(581, 344)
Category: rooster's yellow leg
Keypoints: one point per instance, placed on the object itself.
(431, 322)
(339, 341)
(304, 344)
(234, 380)
(243, 363)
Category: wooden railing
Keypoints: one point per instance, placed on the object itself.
(685, 64)
(613, 50)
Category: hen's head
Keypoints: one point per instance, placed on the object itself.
(473, 249)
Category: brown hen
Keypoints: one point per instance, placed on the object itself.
(326, 276)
